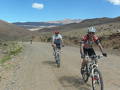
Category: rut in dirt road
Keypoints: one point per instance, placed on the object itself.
(38, 70)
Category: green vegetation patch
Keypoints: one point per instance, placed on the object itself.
(10, 48)
(4, 59)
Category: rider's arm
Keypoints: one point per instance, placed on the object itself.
(99, 45)
(62, 42)
(82, 49)
(82, 44)
(53, 38)
(97, 41)
(101, 48)
(61, 39)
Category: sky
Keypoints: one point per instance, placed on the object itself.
(51, 10)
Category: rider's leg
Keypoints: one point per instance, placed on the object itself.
(54, 49)
(91, 52)
(58, 57)
(59, 47)
(84, 61)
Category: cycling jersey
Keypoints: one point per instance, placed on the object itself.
(57, 39)
(88, 42)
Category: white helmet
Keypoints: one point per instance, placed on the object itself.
(91, 29)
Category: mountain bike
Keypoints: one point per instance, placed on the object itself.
(91, 70)
(57, 56)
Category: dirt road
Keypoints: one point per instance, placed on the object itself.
(38, 71)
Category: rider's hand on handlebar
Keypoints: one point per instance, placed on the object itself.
(53, 45)
(104, 54)
(63, 45)
(82, 56)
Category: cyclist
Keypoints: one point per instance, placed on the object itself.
(57, 40)
(86, 45)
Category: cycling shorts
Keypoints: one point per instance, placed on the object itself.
(58, 46)
(89, 51)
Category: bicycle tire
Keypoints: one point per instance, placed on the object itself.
(97, 80)
(58, 60)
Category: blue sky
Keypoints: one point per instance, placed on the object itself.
(50, 10)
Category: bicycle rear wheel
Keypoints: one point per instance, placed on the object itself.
(97, 81)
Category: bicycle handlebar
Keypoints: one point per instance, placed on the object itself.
(95, 56)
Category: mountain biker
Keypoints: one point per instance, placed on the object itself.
(86, 45)
(57, 40)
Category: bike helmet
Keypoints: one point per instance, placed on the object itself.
(91, 29)
(56, 32)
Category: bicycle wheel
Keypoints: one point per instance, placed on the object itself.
(58, 60)
(85, 74)
(55, 55)
(97, 81)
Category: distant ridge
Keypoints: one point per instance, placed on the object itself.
(66, 21)
(49, 24)
(83, 24)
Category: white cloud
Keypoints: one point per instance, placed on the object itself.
(38, 5)
(115, 2)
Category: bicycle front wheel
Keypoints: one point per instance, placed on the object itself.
(97, 81)
(58, 60)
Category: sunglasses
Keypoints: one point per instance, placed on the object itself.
(91, 33)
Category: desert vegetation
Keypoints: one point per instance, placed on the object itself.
(109, 35)
(8, 49)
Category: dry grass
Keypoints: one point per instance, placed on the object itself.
(72, 37)
(9, 49)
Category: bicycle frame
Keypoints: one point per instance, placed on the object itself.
(57, 51)
(92, 64)
(91, 70)
(57, 56)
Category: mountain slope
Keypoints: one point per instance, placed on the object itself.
(29, 25)
(12, 32)
(83, 24)
(49, 24)
(66, 21)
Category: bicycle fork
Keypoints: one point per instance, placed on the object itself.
(93, 75)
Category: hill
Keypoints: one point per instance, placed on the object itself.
(9, 31)
(107, 28)
(83, 24)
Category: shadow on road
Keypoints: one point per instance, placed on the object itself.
(72, 81)
(51, 63)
